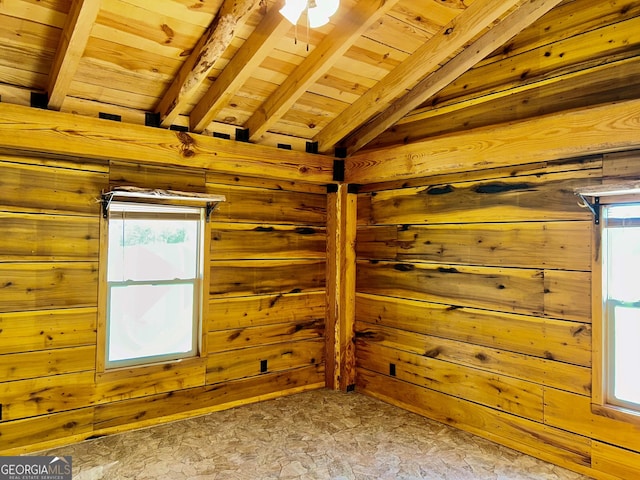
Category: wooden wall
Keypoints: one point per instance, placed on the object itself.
(473, 304)
(264, 328)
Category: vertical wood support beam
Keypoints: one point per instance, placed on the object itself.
(341, 288)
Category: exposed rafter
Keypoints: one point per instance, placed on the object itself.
(261, 42)
(349, 27)
(73, 41)
(454, 36)
(506, 29)
(232, 15)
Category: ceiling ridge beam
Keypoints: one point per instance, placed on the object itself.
(211, 46)
(252, 52)
(73, 42)
(349, 27)
(515, 22)
(454, 36)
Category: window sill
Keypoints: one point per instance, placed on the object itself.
(616, 413)
(151, 369)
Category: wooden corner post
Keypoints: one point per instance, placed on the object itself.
(341, 285)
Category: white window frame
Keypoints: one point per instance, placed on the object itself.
(162, 212)
(608, 309)
(595, 197)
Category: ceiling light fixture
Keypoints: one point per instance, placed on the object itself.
(318, 11)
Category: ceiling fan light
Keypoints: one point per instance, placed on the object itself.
(317, 19)
(292, 10)
(318, 11)
(326, 7)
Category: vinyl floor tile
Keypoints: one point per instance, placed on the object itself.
(309, 436)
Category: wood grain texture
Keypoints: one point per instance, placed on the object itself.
(73, 41)
(135, 174)
(557, 340)
(39, 286)
(262, 182)
(475, 385)
(128, 414)
(239, 312)
(525, 14)
(573, 412)
(21, 436)
(600, 129)
(40, 237)
(428, 57)
(231, 278)
(555, 245)
(525, 198)
(253, 52)
(526, 368)
(551, 444)
(614, 460)
(594, 84)
(595, 46)
(47, 329)
(45, 395)
(349, 28)
(242, 241)
(50, 333)
(233, 14)
(506, 290)
(40, 189)
(21, 366)
(23, 130)
(261, 206)
(145, 380)
(224, 340)
(232, 365)
(341, 287)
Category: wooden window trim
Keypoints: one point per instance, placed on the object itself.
(103, 374)
(599, 405)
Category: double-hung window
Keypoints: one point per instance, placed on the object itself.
(620, 235)
(154, 283)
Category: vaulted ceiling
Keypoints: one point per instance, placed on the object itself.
(380, 73)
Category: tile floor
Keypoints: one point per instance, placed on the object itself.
(313, 435)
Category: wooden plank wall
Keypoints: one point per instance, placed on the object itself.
(265, 322)
(473, 307)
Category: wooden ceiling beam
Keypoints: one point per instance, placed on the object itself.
(596, 129)
(250, 55)
(34, 132)
(454, 36)
(349, 27)
(73, 41)
(514, 23)
(232, 15)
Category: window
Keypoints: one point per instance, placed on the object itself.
(621, 304)
(154, 283)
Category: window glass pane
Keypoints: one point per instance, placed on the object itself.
(631, 211)
(623, 263)
(626, 354)
(150, 320)
(154, 283)
(142, 249)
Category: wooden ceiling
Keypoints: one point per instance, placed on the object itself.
(381, 73)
